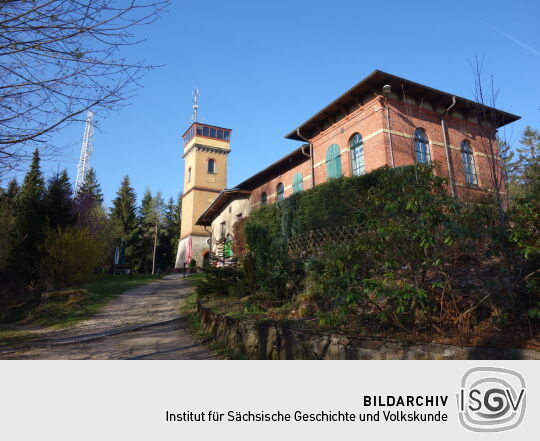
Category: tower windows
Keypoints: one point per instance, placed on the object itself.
(333, 162)
(298, 183)
(357, 155)
(211, 166)
(280, 192)
(468, 163)
(189, 174)
(421, 147)
(264, 198)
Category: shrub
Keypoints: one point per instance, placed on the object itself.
(70, 255)
(218, 280)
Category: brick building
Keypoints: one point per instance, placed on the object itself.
(383, 120)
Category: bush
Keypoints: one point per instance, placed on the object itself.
(218, 280)
(69, 255)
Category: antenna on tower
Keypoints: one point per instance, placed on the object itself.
(195, 104)
(86, 150)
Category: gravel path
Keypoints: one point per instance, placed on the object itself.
(143, 322)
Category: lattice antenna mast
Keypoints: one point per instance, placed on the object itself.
(195, 105)
(86, 150)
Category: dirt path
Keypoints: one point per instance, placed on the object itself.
(144, 322)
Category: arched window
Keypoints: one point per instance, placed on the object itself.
(421, 147)
(468, 163)
(280, 192)
(333, 162)
(297, 183)
(357, 155)
(264, 198)
(189, 174)
(211, 166)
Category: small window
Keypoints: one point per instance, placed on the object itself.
(220, 134)
(468, 163)
(238, 217)
(264, 198)
(199, 130)
(280, 192)
(189, 174)
(206, 131)
(298, 183)
(421, 146)
(212, 132)
(222, 230)
(226, 135)
(211, 166)
(333, 162)
(357, 155)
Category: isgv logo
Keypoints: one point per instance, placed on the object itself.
(491, 399)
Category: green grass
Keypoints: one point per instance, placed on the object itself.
(101, 290)
(9, 335)
(192, 278)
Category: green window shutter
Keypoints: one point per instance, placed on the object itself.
(333, 162)
(298, 183)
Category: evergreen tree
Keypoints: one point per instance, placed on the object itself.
(88, 208)
(8, 198)
(529, 158)
(59, 201)
(170, 233)
(124, 217)
(145, 229)
(29, 220)
(91, 188)
(9, 195)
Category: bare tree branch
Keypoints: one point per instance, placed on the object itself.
(60, 58)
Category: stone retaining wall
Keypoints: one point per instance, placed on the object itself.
(267, 340)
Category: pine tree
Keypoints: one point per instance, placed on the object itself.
(9, 195)
(91, 188)
(29, 220)
(88, 208)
(8, 199)
(59, 201)
(529, 158)
(170, 232)
(124, 216)
(145, 228)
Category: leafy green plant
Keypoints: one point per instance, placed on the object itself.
(218, 280)
(330, 319)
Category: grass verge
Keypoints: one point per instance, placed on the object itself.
(11, 336)
(99, 291)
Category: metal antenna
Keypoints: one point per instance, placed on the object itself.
(86, 150)
(195, 104)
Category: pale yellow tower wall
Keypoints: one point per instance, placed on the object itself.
(197, 161)
(194, 203)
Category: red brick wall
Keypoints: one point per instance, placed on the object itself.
(370, 121)
(405, 119)
(286, 179)
(366, 120)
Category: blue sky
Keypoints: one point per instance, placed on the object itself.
(265, 67)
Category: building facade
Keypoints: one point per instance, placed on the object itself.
(206, 149)
(384, 120)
